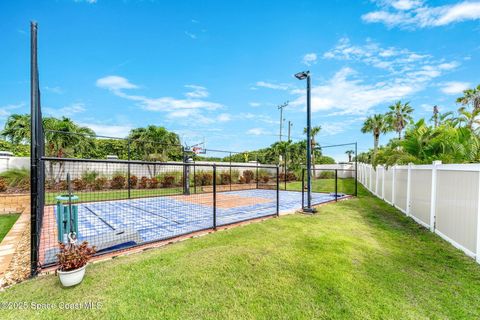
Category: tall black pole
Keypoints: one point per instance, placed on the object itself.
(34, 148)
(309, 149)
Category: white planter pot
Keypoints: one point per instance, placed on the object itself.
(72, 277)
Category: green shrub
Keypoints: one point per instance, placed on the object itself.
(326, 175)
(117, 182)
(235, 175)
(17, 178)
(225, 178)
(100, 183)
(168, 181)
(89, 177)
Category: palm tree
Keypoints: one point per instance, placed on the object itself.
(349, 153)
(155, 144)
(376, 124)
(471, 97)
(400, 115)
(17, 128)
(313, 133)
(467, 118)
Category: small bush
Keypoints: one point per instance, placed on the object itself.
(326, 175)
(207, 179)
(17, 178)
(168, 181)
(264, 179)
(290, 176)
(198, 178)
(3, 185)
(117, 182)
(89, 177)
(133, 181)
(248, 176)
(153, 183)
(79, 184)
(143, 182)
(100, 183)
(225, 178)
(241, 180)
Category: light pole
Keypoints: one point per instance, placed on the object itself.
(280, 107)
(302, 76)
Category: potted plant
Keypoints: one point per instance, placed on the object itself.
(72, 261)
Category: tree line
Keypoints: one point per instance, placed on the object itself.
(452, 137)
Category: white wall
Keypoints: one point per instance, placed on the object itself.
(7, 163)
(443, 198)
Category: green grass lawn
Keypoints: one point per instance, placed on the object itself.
(355, 259)
(6, 223)
(325, 185)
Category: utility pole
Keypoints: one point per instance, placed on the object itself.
(290, 124)
(280, 107)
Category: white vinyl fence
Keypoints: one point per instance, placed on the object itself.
(445, 198)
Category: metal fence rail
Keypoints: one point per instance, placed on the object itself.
(338, 182)
(133, 203)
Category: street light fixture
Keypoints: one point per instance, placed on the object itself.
(302, 76)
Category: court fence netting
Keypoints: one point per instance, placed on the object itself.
(119, 204)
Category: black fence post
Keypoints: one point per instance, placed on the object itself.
(215, 197)
(336, 184)
(36, 122)
(285, 171)
(194, 179)
(278, 191)
(129, 184)
(303, 188)
(256, 178)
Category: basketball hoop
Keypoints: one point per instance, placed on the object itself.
(197, 150)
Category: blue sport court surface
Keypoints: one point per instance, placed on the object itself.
(121, 223)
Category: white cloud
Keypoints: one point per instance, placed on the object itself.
(191, 35)
(454, 87)
(416, 14)
(66, 111)
(5, 111)
(114, 83)
(309, 59)
(275, 86)
(198, 91)
(255, 104)
(56, 90)
(87, 1)
(347, 93)
(119, 131)
(256, 131)
(174, 107)
(406, 4)
(371, 53)
(224, 117)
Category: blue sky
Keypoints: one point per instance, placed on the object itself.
(216, 70)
